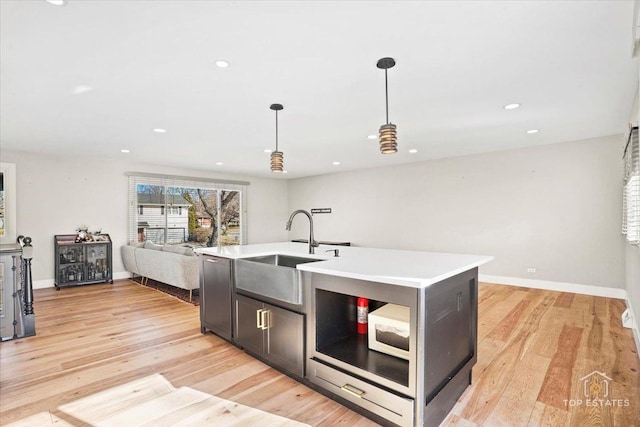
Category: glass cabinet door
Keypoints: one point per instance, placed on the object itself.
(71, 264)
(97, 261)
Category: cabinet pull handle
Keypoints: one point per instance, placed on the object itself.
(211, 260)
(269, 319)
(353, 390)
(264, 318)
(259, 319)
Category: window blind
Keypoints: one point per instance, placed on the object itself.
(631, 189)
(162, 214)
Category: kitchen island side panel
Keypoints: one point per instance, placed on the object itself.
(451, 341)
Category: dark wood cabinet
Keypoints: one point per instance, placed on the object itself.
(271, 333)
(82, 263)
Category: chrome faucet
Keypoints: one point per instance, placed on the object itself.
(312, 243)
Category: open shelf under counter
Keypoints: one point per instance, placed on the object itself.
(355, 351)
(442, 346)
(332, 330)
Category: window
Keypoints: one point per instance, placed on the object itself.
(174, 210)
(199, 212)
(631, 190)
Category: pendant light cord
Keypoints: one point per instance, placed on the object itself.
(276, 130)
(386, 93)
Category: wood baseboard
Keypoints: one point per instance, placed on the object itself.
(575, 288)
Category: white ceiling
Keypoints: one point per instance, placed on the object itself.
(151, 64)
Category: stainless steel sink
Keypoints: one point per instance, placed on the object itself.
(272, 276)
(281, 260)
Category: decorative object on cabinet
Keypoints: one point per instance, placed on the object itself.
(82, 262)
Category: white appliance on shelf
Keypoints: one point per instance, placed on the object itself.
(388, 330)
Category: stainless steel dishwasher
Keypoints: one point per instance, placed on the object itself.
(216, 289)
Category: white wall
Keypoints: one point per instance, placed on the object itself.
(556, 208)
(56, 195)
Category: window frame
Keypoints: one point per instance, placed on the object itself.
(168, 181)
(631, 189)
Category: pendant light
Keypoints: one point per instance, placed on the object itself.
(388, 137)
(277, 162)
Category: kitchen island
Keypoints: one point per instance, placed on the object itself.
(314, 338)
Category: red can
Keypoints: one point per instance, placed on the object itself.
(363, 311)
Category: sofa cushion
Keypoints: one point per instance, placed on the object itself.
(166, 267)
(182, 250)
(129, 258)
(137, 244)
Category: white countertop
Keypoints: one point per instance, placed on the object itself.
(397, 267)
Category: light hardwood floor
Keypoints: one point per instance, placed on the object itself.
(535, 350)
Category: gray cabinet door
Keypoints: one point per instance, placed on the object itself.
(10, 320)
(285, 339)
(248, 333)
(272, 333)
(215, 299)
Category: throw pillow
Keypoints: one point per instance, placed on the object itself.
(151, 245)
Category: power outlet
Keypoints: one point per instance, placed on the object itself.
(627, 319)
(531, 270)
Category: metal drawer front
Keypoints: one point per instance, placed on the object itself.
(394, 408)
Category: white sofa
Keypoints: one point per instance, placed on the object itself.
(174, 265)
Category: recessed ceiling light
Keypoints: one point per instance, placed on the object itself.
(81, 89)
(219, 163)
(221, 63)
(124, 150)
(159, 130)
(373, 137)
(336, 163)
(533, 131)
(413, 151)
(57, 2)
(267, 150)
(511, 106)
